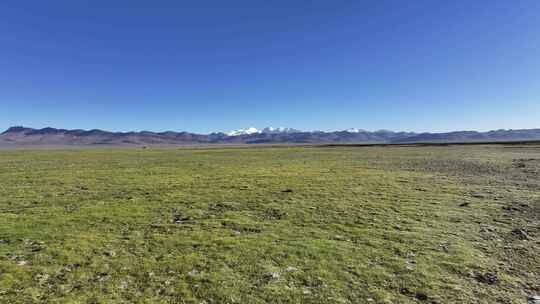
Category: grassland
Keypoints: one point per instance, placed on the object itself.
(456, 224)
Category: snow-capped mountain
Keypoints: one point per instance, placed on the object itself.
(270, 130)
(267, 130)
(247, 131)
(353, 130)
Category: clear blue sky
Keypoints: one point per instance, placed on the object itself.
(206, 66)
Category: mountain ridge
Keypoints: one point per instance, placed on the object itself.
(20, 135)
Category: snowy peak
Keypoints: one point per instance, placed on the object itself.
(267, 130)
(246, 131)
(353, 130)
(271, 130)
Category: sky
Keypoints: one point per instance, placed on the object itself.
(205, 66)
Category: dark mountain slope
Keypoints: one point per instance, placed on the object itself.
(472, 136)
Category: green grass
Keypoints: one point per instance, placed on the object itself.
(270, 225)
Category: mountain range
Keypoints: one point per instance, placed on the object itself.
(22, 136)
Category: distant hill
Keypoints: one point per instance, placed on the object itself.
(22, 136)
(473, 136)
